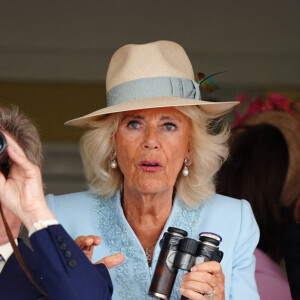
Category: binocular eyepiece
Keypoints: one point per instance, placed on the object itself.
(4, 159)
(180, 252)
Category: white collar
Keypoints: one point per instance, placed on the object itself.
(6, 250)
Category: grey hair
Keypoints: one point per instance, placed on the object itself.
(25, 133)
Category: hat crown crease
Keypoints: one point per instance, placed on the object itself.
(158, 59)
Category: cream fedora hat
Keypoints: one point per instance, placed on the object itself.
(152, 75)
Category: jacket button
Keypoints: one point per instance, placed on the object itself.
(59, 238)
(72, 263)
(68, 254)
(63, 246)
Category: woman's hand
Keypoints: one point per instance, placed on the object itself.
(22, 192)
(87, 244)
(204, 280)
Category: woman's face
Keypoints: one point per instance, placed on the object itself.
(151, 145)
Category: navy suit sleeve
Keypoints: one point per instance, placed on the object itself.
(66, 271)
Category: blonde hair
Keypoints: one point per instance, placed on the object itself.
(96, 146)
(208, 151)
(25, 133)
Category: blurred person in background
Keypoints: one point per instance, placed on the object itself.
(264, 168)
(291, 250)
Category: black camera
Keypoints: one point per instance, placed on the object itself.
(180, 252)
(4, 159)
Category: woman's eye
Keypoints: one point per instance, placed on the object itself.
(133, 124)
(170, 126)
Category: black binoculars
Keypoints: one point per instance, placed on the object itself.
(179, 252)
(4, 159)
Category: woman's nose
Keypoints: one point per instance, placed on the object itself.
(151, 140)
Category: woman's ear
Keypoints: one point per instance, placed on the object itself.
(297, 211)
(189, 156)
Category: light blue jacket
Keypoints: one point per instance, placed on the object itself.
(85, 213)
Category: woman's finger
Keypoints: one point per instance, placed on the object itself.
(96, 240)
(205, 278)
(192, 295)
(87, 240)
(201, 277)
(212, 267)
(196, 286)
(87, 244)
(111, 261)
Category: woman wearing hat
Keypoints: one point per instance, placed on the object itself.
(150, 159)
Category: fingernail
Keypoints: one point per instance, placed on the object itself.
(181, 290)
(114, 258)
(194, 269)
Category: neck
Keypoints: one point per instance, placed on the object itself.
(147, 209)
(147, 215)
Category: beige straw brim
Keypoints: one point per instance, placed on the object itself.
(212, 108)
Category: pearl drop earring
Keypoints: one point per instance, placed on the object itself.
(185, 170)
(113, 163)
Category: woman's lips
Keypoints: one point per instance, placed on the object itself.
(150, 165)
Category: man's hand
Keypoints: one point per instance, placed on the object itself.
(22, 192)
(14, 224)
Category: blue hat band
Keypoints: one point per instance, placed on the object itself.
(153, 87)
